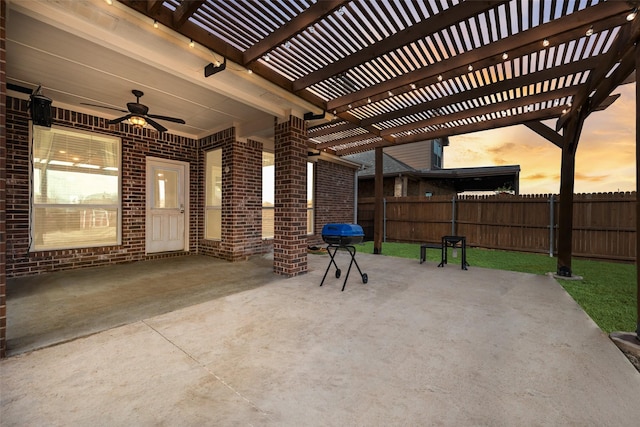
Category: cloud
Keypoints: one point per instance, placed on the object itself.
(605, 158)
(590, 178)
(540, 177)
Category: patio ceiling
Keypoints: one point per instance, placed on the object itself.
(396, 72)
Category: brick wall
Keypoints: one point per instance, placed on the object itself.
(137, 144)
(241, 200)
(334, 196)
(3, 163)
(290, 228)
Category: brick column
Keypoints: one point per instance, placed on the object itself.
(243, 229)
(3, 182)
(290, 236)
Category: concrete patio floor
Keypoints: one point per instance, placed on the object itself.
(416, 345)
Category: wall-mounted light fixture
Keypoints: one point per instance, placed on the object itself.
(40, 108)
(212, 68)
(311, 116)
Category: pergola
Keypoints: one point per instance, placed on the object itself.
(401, 71)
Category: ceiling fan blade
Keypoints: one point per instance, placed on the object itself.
(169, 119)
(156, 125)
(104, 106)
(121, 119)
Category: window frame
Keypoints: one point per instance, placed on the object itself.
(311, 207)
(212, 207)
(34, 205)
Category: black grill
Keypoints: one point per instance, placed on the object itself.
(343, 236)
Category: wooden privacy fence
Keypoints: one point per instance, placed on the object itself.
(603, 223)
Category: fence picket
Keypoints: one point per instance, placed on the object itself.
(603, 223)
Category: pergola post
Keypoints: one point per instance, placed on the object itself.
(378, 214)
(637, 192)
(571, 136)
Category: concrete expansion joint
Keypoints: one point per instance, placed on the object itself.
(209, 371)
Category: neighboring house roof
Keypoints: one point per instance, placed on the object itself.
(485, 178)
(390, 165)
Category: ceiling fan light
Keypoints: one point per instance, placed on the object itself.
(137, 121)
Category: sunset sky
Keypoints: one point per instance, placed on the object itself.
(605, 160)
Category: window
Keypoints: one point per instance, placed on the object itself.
(268, 195)
(437, 154)
(310, 201)
(75, 189)
(213, 202)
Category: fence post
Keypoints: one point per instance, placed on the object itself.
(453, 216)
(551, 224)
(384, 220)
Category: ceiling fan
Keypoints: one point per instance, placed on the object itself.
(138, 114)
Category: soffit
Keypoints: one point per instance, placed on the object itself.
(401, 71)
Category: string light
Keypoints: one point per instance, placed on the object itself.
(192, 44)
(155, 24)
(545, 43)
(440, 77)
(470, 67)
(589, 32)
(505, 56)
(632, 15)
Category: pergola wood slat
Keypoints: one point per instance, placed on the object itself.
(461, 130)
(519, 43)
(487, 90)
(312, 15)
(481, 111)
(439, 21)
(184, 11)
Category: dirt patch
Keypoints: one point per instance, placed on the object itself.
(635, 361)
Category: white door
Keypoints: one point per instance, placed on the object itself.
(167, 210)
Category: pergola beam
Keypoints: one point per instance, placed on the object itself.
(597, 81)
(546, 132)
(328, 129)
(301, 22)
(558, 31)
(184, 12)
(473, 113)
(431, 25)
(505, 86)
(550, 113)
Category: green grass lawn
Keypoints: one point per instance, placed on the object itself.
(607, 292)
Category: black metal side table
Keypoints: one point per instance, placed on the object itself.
(453, 241)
